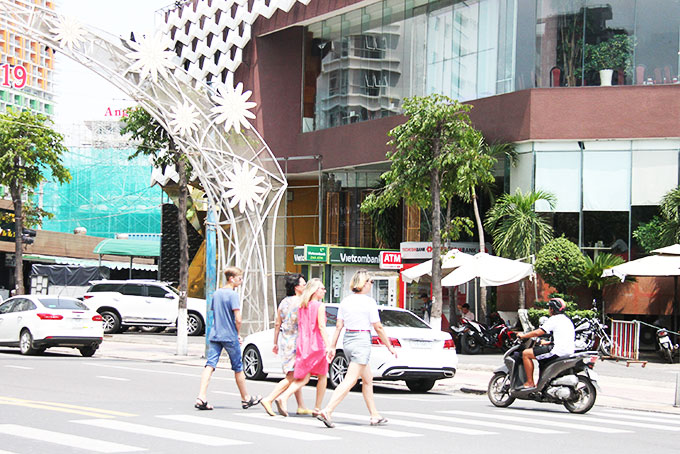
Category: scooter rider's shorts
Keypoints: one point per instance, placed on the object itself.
(543, 352)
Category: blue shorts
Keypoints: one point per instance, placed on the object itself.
(233, 348)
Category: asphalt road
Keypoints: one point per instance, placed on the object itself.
(64, 403)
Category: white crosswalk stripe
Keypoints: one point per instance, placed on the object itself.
(48, 436)
(312, 422)
(475, 422)
(661, 418)
(419, 425)
(592, 419)
(6, 452)
(531, 420)
(167, 434)
(239, 426)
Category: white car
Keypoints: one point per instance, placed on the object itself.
(36, 322)
(142, 303)
(424, 355)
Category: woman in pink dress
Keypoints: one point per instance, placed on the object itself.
(313, 348)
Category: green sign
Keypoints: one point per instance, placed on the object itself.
(355, 256)
(316, 253)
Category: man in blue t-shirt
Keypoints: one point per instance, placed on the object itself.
(224, 334)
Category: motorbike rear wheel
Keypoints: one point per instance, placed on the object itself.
(470, 344)
(498, 391)
(668, 355)
(585, 396)
(605, 347)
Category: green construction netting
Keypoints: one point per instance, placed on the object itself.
(107, 195)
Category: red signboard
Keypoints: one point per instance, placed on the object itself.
(390, 260)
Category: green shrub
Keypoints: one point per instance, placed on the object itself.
(571, 312)
(561, 264)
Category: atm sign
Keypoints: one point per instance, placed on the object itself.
(390, 260)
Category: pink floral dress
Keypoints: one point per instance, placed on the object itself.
(310, 357)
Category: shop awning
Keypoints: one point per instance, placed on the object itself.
(129, 248)
(89, 262)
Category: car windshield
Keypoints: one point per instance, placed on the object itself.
(174, 289)
(62, 303)
(403, 319)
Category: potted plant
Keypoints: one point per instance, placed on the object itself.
(606, 56)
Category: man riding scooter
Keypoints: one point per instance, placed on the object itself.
(562, 330)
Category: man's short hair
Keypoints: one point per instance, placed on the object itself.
(424, 295)
(466, 306)
(232, 271)
(292, 281)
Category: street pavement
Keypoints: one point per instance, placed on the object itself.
(622, 385)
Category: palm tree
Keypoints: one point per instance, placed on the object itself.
(592, 275)
(517, 230)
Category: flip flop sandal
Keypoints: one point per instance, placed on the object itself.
(279, 406)
(325, 419)
(203, 405)
(378, 421)
(304, 412)
(254, 400)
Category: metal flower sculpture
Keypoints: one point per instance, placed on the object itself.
(235, 167)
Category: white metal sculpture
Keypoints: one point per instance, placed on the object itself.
(239, 173)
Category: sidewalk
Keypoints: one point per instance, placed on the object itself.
(649, 388)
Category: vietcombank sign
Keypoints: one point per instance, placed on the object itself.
(337, 255)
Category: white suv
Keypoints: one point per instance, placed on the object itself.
(142, 303)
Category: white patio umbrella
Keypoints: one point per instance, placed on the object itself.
(491, 271)
(453, 259)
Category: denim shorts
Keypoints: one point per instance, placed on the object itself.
(357, 346)
(233, 348)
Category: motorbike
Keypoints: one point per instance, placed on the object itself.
(591, 334)
(666, 348)
(475, 336)
(567, 380)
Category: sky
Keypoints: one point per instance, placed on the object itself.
(80, 93)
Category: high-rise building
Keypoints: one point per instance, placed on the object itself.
(26, 70)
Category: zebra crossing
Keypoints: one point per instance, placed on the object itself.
(233, 429)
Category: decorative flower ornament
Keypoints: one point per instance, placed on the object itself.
(244, 187)
(69, 32)
(184, 119)
(233, 107)
(152, 56)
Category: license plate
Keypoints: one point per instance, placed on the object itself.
(79, 323)
(420, 344)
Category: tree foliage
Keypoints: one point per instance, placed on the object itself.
(517, 230)
(662, 230)
(30, 153)
(561, 264)
(650, 235)
(429, 149)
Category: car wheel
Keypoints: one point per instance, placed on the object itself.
(194, 324)
(87, 351)
(252, 363)
(26, 343)
(420, 386)
(337, 370)
(111, 322)
(470, 344)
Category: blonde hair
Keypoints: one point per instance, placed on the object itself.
(232, 271)
(359, 280)
(313, 285)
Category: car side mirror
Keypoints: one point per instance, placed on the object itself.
(170, 296)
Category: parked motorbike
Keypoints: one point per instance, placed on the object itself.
(475, 336)
(567, 380)
(666, 348)
(591, 334)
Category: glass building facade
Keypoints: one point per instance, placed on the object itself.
(360, 65)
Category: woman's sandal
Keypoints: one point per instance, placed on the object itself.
(316, 412)
(202, 404)
(279, 406)
(304, 412)
(325, 419)
(378, 421)
(268, 408)
(254, 400)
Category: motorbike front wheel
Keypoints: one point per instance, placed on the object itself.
(470, 344)
(605, 347)
(584, 398)
(499, 390)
